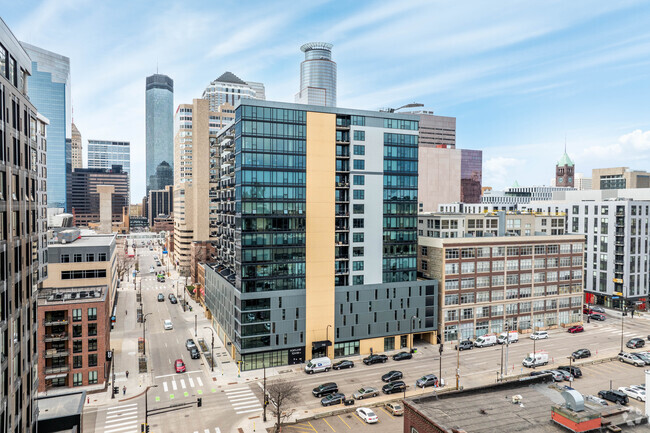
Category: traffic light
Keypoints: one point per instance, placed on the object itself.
(199, 402)
(147, 426)
(116, 390)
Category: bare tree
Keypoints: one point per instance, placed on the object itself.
(281, 394)
(124, 262)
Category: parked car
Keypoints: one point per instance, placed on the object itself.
(581, 353)
(565, 374)
(557, 375)
(194, 353)
(180, 366)
(635, 343)
(391, 376)
(394, 409)
(486, 340)
(634, 393)
(539, 335)
(428, 380)
(597, 316)
(614, 396)
(173, 300)
(336, 398)
(586, 310)
(631, 358)
(573, 370)
(167, 324)
(644, 357)
(397, 386)
(641, 387)
(535, 359)
(539, 372)
(346, 363)
(325, 389)
(317, 365)
(367, 415)
(374, 359)
(598, 309)
(508, 337)
(596, 400)
(576, 329)
(189, 344)
(161, 297)
(465, 344)
(402, 355)
(365, 393)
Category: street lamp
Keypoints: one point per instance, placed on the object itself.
(622, 316)
(411, 323)
(146, 405)
(144, 327)
(212, 350)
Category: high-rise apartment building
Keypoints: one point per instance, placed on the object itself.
(565, 172)
(316, 220)
(49, 91)
(160, 203)
(159, 97)
(83, 197)
(76, 148)
(106, 153)
(317, 75)
(619, 178)
(229, 89)
(23, 238)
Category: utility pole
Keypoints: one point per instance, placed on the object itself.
(144, 327)
(534, 341)
(440, 353)
(113, 368)
(265, 399)
(507, 347)
(195, 325)
(458, 364)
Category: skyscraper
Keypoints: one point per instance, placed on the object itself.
(23, 243)
(49, 91)
(107, 153)
(317, 75)
(76, 148)
(229, 88)
(160, 130)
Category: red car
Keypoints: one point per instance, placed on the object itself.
(575, 329)
(180, 366)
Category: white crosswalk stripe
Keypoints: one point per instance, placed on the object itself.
(183, 384)
(121, 419)
(191, 382)
(165, 388)
(198, 379)
(174, 387)
(243, 400)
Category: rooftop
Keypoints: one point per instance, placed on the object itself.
(71, 295)
(565, 160)
(87, 240)
(60, 406)
(229, 77)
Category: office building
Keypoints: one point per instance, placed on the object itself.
(317, 75)
(316, 222)
(159, 97)
(615, 225)
(492, 223)
(105, 154)
(49, 91)
(436, 131)
(565, 172)
(512, 198)
(196, 176)
(525, 282)
(448, 175)
(23, 241)
(74, 308)
(83, 196)
(619, 178)
(76, 148)
(160, 203)
(230, 89)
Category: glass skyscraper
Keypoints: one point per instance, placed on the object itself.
(49, 91)
(160, 131)
(317, 75)
(106, 154)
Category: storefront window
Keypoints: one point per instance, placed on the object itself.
(346, 349)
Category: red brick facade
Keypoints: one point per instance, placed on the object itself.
(416, 422)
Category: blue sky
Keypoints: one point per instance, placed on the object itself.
(518, 76)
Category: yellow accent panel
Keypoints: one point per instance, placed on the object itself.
(376, 344)
(319, 266)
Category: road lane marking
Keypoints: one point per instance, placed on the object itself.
(388, 413)
(174, 387)
(238, 391)
(249, 410)
(123, 418)
(329, 424)
(165, 388)
(191, 382)
(198, 379)
(344, 422)
(115, 409)
(183, 383)
(248, 397)
(126, 426)
(357, 417)
(244, 404)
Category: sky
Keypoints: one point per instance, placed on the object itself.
(522, 78)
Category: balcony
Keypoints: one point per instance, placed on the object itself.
(54, 353)
(342, 184)
(53, 321)
(59, 369)
(60, 336)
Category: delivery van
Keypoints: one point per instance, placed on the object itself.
(513, 337)
(536, 359)
(317, 365)
(486, 340)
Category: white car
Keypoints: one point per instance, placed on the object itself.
(539, 335)
(640, 387)
(168, 325)
(367, 415)
(633, 393)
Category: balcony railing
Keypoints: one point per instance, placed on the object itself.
(53, 353)
(55, 321)
(60, 369)
(61, 336)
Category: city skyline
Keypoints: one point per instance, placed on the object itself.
(518, 81)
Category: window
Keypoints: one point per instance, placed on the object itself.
(357, 121)
(357, 265)
(101, 257)
(77, 258)
(451, 299)
(357, 237)
(357, 208)
(358, 179)
(92, 377)
(92, 360)
(77, 346)
(92, 314)
(358, 194)
(357, 223)
(77, 379)
(76, 315)
(451, 268)
(389, 343)
(357, 252)
(92, 329)
(359, 164)
(359, 149)
(92, 345)
(77, 361)
(359, 135)
(65, 258)
(357, 279)
(90, 257)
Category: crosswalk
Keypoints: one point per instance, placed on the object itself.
(243, 400)
(122, 419)
(207, 430)
(182, 387)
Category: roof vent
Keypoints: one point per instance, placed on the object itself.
(574, 400)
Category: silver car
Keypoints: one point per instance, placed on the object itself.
(365, 392)
(565, 374)
(631, 358)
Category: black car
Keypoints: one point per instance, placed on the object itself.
(343, 364)
(161, 297)
(374, 359)
(336, 398)
(391, 376)
(194, 353)
(635, 343)
(574, 371)
(170, 296)
(397, 386)
(173, 300)
(465, 344)
(614, 396)
(581, 353)
(325, 389)
(539, 372)
(402, 355)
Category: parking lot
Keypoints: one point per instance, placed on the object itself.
(350, 421)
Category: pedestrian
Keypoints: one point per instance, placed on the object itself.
(127, 374)
(633, 314)
(124, 390)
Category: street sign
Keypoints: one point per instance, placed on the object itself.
(618, 280)
(618, 294)
(164, 251)
(614, 297)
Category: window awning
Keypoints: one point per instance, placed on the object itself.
(56, 376)
(320, 344)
